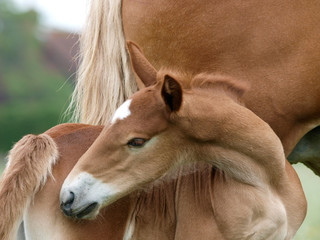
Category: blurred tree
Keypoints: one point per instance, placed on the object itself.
(32, 96)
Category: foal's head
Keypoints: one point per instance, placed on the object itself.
(139, 145)
(173, 120)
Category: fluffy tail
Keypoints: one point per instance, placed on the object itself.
(105, 78)
(30, 163)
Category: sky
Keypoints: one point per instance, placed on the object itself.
(66, 15)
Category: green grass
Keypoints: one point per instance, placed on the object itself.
(310, 229)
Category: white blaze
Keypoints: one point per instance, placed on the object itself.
(122, 112)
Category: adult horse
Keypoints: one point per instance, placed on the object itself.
(233, 184)
(272, 45)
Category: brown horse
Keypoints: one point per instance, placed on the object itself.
(273, 45)
(179, 120)
(181, 159)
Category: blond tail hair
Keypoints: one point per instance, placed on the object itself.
(105, 79)
(30, 163)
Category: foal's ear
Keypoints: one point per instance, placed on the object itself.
(146, 74)
(171, 93)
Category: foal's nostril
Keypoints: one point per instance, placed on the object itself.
(66, 203)
(70, 199)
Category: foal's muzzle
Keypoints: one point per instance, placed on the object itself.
(84, 195)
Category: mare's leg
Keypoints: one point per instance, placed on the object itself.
(307, 151)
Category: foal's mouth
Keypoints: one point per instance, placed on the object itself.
(86, 211)
(83, 213)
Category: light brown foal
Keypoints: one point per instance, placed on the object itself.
(178, 120)
(181, 206)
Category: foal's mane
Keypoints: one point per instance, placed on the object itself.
(184, 78)
(234, 88)
(217, 82)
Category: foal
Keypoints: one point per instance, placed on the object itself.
(179, 120)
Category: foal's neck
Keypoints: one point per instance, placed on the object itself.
(231, 137)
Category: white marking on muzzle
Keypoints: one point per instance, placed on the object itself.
(87, 189)
(122, 112)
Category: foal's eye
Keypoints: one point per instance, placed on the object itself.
(137, 142)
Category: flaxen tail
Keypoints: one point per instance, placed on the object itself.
(30, 163)
(105, 78)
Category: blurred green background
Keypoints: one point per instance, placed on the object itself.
(35, 83)
(36, 80)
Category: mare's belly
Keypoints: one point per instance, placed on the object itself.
(274, 45)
